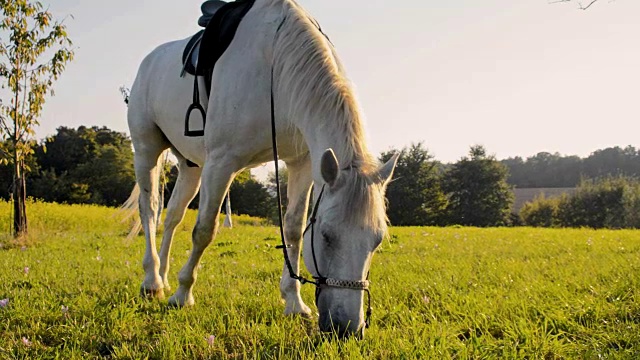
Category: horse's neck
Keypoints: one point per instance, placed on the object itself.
(327, 113)
(321, 136)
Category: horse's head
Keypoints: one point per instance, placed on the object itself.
(350, 224)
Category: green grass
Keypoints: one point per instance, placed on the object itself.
(437, 293)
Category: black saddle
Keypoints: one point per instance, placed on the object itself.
(209, 8)
(220, 20)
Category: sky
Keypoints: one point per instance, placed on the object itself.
(517, 76)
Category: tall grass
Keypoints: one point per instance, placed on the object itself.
(437, 293)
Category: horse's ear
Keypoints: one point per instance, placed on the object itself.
(385, 173)
(329, 167)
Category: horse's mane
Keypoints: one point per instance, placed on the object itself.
(306, 66)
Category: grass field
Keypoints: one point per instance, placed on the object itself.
(438, 293)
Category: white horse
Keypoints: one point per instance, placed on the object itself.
(321, 139)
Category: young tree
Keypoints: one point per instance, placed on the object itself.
(415, 196)
(478, 191)
(34, 51)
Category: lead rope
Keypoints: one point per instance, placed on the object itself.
(318, 280)
(274, 145)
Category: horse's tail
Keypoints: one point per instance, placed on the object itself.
(129, 210)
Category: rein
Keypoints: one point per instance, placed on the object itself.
(319, 281)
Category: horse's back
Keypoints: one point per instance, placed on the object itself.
(159, 68)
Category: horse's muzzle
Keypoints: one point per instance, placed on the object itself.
(335, 321)
(341, 330)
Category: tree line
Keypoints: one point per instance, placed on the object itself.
(87, 165)
(94, 165)
(546, 170)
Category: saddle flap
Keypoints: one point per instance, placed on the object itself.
(190, 54)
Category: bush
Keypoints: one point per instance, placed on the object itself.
(631, 203)
(541, 212)
(611, 202)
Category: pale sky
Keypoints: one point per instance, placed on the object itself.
(518, 76)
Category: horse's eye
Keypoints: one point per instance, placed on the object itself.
(327, 236)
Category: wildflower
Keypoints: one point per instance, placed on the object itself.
(4, 303)
(26, 270)
(99, 258)
(26, 341)
(65, 309)
(24, 248)
(211, 339)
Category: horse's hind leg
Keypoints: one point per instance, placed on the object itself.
(149, 143)
(184, 191)
(217, 175)
(299, 186)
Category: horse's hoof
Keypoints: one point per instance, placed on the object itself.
(152, 293)
(306, 316)
(303, 311)
(179, 303)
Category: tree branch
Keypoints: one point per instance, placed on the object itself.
(4, 128)
(589, 5)
(580, 6)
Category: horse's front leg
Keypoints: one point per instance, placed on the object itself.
(184, 191)
(299, 185)
(216, 179)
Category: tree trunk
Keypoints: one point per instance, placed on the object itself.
(19, 201)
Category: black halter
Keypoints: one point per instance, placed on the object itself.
(319, 281)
